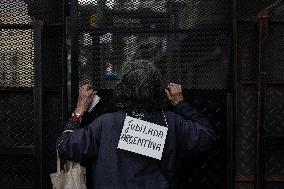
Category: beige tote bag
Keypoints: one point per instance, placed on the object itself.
(72, 177)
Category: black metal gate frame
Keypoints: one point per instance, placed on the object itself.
(35, 151)
(232, 97)
(38, 91)
(38, 97)
(261, 141)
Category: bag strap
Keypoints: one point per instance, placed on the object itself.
(165, 119)
(57, 161)
(160, 164)
(71, 164)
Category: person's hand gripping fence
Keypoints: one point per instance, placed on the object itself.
(174, 93)
(86, 95)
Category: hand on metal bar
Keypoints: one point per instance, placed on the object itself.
(174, 93)
(86, 95)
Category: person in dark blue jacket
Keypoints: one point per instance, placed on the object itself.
(138, 94)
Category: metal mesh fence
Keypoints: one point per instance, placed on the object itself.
(248, 51)
(248, 70)
(208, 171)
(14, 12)
(51, 132)
(248, 41)
(48, 11)
(189, 41)
(17, 48)
(245, 133)
(275, 67)
(274, 127)
(249, 10)
(275, 112)
(16, 119)
(16, 98)
(16, 172)
(277, 12)
(25, 11)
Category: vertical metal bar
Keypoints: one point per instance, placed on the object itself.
(233, 102)
(74, 54)
(260, 163)
(101, 16)
(230, 143)
(38, 91)
(64, 98)
(263, 22)
(261, 93)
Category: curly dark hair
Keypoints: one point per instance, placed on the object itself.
(139, 88)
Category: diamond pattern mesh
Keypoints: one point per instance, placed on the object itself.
(275, 66)
(188, 40)
(274, 126)
(245, 133)
(274, 161)
(16, 58)
(248, 10)
(17, 48)
(16, 117)
(17, 71)
(52, 129)
(16, 172)
(25, 11)
(48, 11)
(248, 43)
(248, 66)
(277, 12)
(248, 51)
(14, 12)
(208, 171)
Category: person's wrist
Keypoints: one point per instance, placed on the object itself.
(79, 111)
(76, 117)
(177, 101)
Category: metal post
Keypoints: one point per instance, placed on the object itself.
(38, 91)
(64, 98)
(230, 143)
(74, 54)
(261, 93)
(233, 102)
(260, 162)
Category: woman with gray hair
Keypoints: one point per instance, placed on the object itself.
(140, 101)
